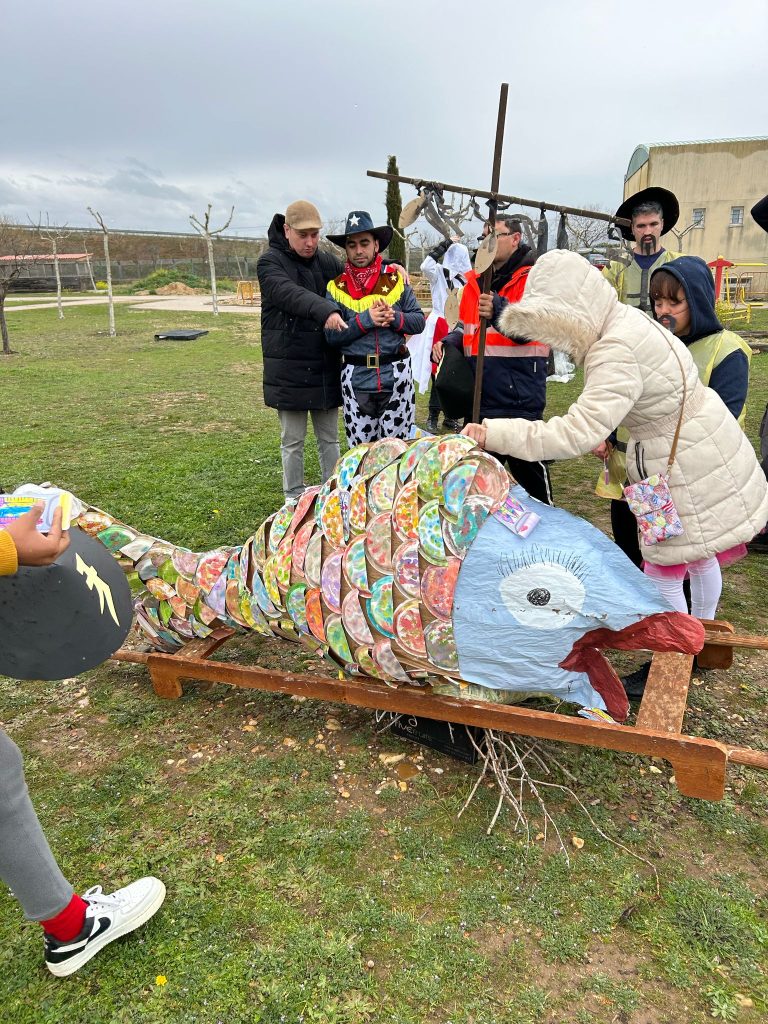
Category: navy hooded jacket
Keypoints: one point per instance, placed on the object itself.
(730, 378)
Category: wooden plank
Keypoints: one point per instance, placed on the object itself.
(666, 693)
(714, 654)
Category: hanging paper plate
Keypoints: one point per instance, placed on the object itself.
(139, 547)
(491, 480)
(387, 663)
(313, 559)
(283, 564)
(380, 454)
(246, 613)
(428, 474)
(337, 639)
(189, 592)
(210, 567)
(160, 589)
(405, 568)
(270, 582)
(259, 544)
(379, 605)
(405, 512)
(93, 522)
(146, 569)
(381, 489)
(347, 465)
(185, 562)
(295, 603)
(261, 597)
(303, 506)
(116, 536)
(232, 603)
(409, 629)
(366, 662)
(354, 566)
(355, 623)
(314, 613)
(378, 541)
(167, 572)
(330, 580)
(358, 507)
(279, 527)
(453, 448)
(441, 646)
(216, 598)
(456, 485)
(431, 533)
(322, 494)
(300, 541)
(407, 463)
(332, 519)
(255, 616)
(438, 583)
(462, 533)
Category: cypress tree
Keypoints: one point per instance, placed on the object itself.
(396, 250)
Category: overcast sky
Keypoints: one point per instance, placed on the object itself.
(147, 111)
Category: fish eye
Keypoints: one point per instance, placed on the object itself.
(542, 595)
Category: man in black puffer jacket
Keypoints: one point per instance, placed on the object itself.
(301, 372)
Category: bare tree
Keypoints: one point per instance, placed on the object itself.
(585, 234)
(100, 221)
(16, 246)
(53, 236)
(204, 228)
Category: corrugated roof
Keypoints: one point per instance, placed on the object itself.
(707, 142)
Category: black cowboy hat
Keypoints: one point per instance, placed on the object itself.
(654, 194)
(760, 213)
(360, 220)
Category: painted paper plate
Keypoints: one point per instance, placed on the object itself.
(93, 522)
(246, 613)
(181, 626)
(185, 562)
(408, 462)
(259, 544)
(139, 547)
(347, 465)
(300, 541)
(167, 572)
(199, 628)
(303, 506)
(280, 525)
(409, 629)
(232, 603)
(355, 622)
(381, 489)
(405, 568)
(366, 662)
(431, 533)
(160, 589)
(165, 612)
(405, 512)
(378, 541)
(330, 580)
(313, 559)
(322, 494)
(387, 663)
(337, 639)
(358, 505)
(116, 536)
(441, 646)
(261, 598)
(314, 612)
(216, 598)
(379, 605)
(332, 518)
(270, 582)
(159, 552)
(189, 592)
(295, 603)
(438, 583)
(428, 474)
(354, 566)
(179, 606)
(452, 449)
(456, 486)
(255, 616)
(202, 612)
(210, 567)
(380, 454)
(146, 568)
(461, 534)
(491, 479)
(283, 564)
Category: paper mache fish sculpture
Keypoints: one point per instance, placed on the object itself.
(419, 562)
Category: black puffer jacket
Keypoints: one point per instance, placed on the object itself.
(300, 370)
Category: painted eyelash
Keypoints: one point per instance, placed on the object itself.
(509, 564)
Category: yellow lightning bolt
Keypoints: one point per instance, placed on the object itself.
(102, 589)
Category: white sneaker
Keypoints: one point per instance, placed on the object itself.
(108, 916)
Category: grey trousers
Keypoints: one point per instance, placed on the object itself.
(27, 865)
(293, 432)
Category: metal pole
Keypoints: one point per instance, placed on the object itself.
(485, 283)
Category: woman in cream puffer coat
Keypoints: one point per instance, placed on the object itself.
(633, 377)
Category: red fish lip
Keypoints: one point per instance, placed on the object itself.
(665, 631)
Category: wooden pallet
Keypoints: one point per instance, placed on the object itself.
(699, 764)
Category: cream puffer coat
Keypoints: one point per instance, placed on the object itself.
(633, 377)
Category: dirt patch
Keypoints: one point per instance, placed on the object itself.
(179, 288)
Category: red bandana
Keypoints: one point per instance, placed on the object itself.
(361, 280)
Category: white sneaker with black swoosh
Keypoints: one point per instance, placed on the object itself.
(109, 915)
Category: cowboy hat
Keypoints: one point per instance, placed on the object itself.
(670, 208)
(359, 221)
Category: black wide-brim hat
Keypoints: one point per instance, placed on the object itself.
(358, 221)
(654, 194)
(760, 213)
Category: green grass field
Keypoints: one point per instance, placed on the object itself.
(308, 881)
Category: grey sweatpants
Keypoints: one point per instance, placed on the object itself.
(293, 432)
(27, 866)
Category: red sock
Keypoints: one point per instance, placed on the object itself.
(69, 922)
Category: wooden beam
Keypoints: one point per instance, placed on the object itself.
(666, 693)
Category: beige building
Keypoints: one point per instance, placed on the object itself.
(717, 183)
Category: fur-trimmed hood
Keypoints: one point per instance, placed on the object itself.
(567, 304)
